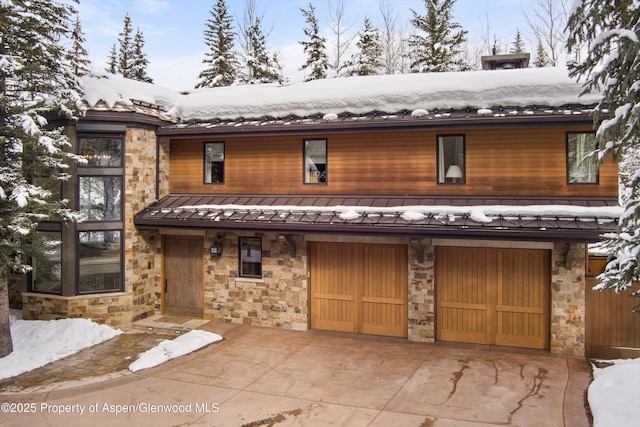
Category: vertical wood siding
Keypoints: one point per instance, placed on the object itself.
(612, 328)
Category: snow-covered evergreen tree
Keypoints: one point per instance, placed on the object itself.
(317, 61)
(440, 42)
(518, 44)
(36, 79)
(112, 62)
(368, 60)
(541, 60)
(78, 55)
(260, 66)
(139, 61)
(125, 50)
(221, 60)
(611, 30)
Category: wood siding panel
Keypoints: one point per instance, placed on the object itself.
(359, 288)
(493, 296)
(500, 162)
(612, 328)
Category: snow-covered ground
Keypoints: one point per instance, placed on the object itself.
(39, 342)
(614, 394)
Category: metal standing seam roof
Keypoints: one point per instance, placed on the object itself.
(385, 215)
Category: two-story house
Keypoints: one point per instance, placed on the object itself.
(449, 206)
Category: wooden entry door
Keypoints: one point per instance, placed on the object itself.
(183, 276)
(493, 296)
(359, 288)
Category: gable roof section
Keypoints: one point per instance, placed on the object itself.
(539, 219)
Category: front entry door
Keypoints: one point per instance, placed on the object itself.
(183, 276)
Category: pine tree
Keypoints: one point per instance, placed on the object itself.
(259, 65)
(314, 48)
(78, 55)
(541, 60)
(221, 60)
(125, 51)
(495, 47)
(518, 44)
(139, 61)
(36, 79)
(368, 60)
(440, 47)
(112, 62)
(610, 67)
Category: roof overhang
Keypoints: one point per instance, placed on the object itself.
(539, 219)
(496, 117)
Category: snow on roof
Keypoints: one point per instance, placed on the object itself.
(356, 95)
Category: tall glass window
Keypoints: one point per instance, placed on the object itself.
(581, 167)
(214, 162)
(101, 197)
(250, 257)
(315, 161)
(99, 246)
(100, 261)
(47, 265)
(451, 159)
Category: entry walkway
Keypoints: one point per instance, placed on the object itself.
(263, 377)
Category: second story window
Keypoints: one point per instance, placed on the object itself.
(101, 198)
(315, 161)
(214, 162)
(451, 159)
(581, 168)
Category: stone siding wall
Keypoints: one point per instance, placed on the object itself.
(111, 309)
(568, 299)
(421, 309)
(141, 246)
(279, 299)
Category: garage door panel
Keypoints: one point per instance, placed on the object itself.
(493, 296)
(370, 281)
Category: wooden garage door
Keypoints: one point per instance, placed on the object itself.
(493, 296)
(359, 288)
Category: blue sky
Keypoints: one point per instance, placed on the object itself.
(173, 29)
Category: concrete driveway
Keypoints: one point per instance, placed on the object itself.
(265, 377)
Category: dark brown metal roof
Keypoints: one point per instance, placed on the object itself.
(536, 219)
(496, 116)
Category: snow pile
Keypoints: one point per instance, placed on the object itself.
(614, 394)
(170, 349)
(38, 342)
(478, 213)
(418, 92)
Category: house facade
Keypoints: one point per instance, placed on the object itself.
(455, 207)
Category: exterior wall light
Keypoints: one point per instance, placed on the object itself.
(216, 248)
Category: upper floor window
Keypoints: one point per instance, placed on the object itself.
(250, 257)
(581, 167)
(315, 161)
(101, 151)
(451, 159)
(214, 162)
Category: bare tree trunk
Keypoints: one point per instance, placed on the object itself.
(547, 21)
(6, 345)
(342, 37)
